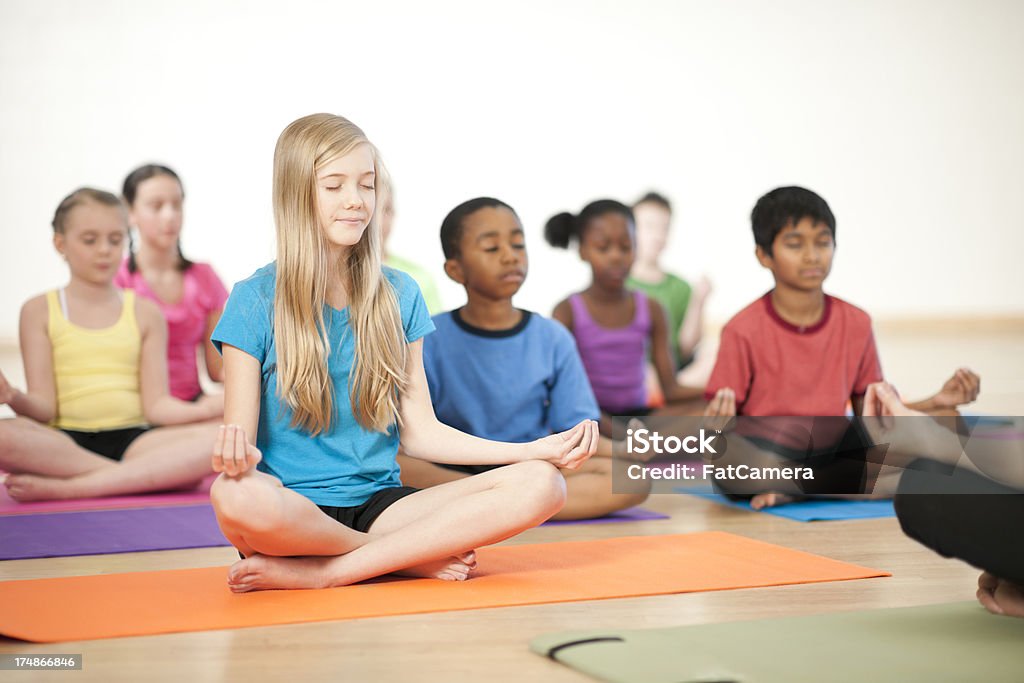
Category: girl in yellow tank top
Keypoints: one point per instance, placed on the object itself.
(96, 373)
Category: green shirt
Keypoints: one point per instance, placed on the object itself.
(674, 294)
(422, 278)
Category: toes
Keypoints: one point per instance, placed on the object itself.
(240, 571)
(987, 599)
(453, 574)
(988, 581)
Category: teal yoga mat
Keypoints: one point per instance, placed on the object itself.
(952, 643)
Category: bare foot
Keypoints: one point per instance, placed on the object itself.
(29, 487)
(1000, 596)
(767, 500)
(455, 568)
(266, 572)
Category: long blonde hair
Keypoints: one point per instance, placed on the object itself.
(303, 268)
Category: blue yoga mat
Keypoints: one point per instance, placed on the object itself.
(813, 510)
(96, 532)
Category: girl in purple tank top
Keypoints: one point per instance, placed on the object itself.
(614, 327)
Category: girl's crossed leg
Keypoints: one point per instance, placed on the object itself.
(290, 543)
(46, 464)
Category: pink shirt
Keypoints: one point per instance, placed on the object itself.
(203, 293)
(776, 368)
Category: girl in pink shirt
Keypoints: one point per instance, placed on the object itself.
(190, 295)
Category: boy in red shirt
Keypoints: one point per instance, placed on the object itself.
(797, 351)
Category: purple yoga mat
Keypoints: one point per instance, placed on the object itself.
(199, 495)
(629, 515)
(96, 532)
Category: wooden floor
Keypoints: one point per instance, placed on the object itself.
(492, 644)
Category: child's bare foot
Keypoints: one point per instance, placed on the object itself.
(1000, 596)
(455, 568)
(265, 572)
(767, 500)
(29, 487)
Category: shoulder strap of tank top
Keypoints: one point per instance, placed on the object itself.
(642, 317)
(127, 305)
(53, 312)
(580, 314)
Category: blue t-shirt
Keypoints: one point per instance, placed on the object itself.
(347, 465)
(512, 385)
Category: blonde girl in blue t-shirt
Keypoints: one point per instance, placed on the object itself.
(323, 364)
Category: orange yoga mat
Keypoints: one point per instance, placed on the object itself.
(147, 603)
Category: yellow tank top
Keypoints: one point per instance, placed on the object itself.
(97, 371)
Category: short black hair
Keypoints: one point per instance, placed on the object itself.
(654, 198)
(787, 206)
(562, 228)
(453, 224)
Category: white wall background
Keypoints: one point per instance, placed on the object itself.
(907, 115)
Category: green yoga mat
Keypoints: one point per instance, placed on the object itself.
(956, 643)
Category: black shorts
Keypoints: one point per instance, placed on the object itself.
(362, 517)
(110, 443)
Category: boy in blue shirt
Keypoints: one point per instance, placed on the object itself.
(499, 372)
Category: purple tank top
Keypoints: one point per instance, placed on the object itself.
(614, 357)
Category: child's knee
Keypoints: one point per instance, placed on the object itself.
(542, 482)
(5, 435)
(9, 432)
(247, 501)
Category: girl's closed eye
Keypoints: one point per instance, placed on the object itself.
(369, 187)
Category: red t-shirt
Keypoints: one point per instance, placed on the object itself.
(777, 368)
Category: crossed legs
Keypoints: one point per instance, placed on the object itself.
(46, 464)
(290, 543)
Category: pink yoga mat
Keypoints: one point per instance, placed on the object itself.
(200, 495)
